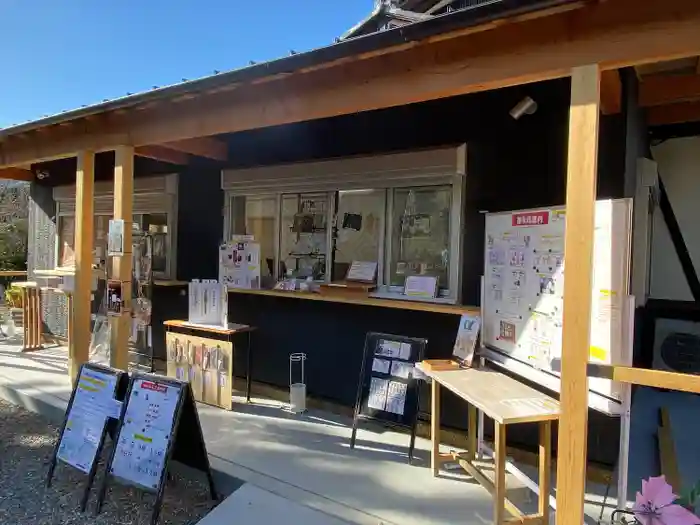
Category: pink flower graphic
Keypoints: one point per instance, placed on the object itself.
(654, 505)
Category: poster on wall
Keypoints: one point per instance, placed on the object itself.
(524, 287)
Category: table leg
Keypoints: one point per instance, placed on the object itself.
(249, 372)
(472, 424)
(545, 469)
(499, 494)
(435, 428)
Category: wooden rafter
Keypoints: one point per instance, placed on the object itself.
(162, 154)
(612, 34)
(16, 174)
(667, 89)
(674, 113)
(202, 147)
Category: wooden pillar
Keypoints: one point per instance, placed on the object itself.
(121, 266)
(578, 265)
(82, 297)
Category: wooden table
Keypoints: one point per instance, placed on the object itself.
(230, 332)
(507, 402)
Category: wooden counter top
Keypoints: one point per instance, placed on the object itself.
(164, 282)
(366, 301)
(233, 328)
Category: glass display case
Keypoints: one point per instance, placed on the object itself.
(304, 235)
(420, 234)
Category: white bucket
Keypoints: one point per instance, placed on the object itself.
(297, 398)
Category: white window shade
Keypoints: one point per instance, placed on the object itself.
(417, 168)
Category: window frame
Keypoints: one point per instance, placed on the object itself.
(171, 214)
(451, 294)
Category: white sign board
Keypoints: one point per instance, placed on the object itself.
(141, 449)
(524, 287)
(92, 403)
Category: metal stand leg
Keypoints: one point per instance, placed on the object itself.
(412, 444)
(353, 436)
(249, 371)
(435, 428)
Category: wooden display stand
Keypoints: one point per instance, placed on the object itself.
(191, 356)
(507, 402)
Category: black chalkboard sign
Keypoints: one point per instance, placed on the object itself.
(159, 423)
(388, 386)
(93, 408)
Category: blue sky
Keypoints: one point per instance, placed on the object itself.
(61, 54)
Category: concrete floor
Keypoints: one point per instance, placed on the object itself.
(298, 467)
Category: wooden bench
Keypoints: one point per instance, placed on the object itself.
(507, 402)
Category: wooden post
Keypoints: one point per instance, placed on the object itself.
(578, 265)
(121, 266)
(82, 297)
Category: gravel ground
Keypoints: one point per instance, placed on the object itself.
(26, 445)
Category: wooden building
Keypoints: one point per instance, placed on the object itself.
(425, 106)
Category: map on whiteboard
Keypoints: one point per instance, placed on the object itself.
(524, 286)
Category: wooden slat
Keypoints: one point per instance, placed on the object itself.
(233, 328)
(202, 147)
(614, 34)
(163, 154)
(121, 265)
(578, 260)
(84, 223)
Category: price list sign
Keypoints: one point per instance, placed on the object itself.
(93, 402)
(141, 448)
(159, 424)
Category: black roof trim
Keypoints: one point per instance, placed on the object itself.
(473, 16)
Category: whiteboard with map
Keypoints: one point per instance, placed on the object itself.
(524, 287)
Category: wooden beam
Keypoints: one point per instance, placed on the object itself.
(674, 113)
(668, 89)
(610, 92)
(613, 34)
(647, 377)
(202, 147)
(82, 296)
(578, 251)
(163, 154)
(16, 174)
(122, 265)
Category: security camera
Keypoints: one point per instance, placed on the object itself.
(41, 174)
(526, 106)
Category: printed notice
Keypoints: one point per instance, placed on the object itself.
(92, 404)
(391, 349)
(396, 397)
(405, 352)
(381, 366)
(401, 369)
(143, 439)
(377, 393)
